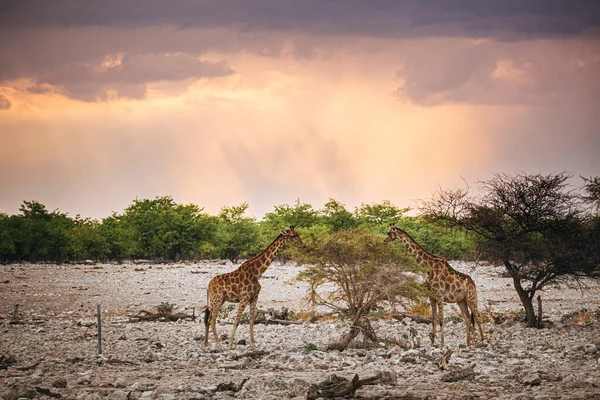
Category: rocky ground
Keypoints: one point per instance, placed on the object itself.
(50, 350)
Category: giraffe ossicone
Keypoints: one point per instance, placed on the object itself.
(447, 285)
(242, 286)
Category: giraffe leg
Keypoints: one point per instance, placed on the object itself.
(440, 304)
(467, 317)
(476, 317)
(251, 314)
(472, 303)
(214, 307)
(238, 317)
(434, 306)
(213, 323)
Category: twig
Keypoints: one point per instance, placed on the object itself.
(230, 386)
(443, 363)
(144, 315)
(28, 367)
(48, 392)
(281, 322)
(250, 354)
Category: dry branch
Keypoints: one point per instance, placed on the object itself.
(360, 325)
(281, 322)
(443, 363)
(48, 392)
(144, 315)
(339, 387)
(250, 354)
(230, 386)
(5, 361)
(27, 367)
(459, 374)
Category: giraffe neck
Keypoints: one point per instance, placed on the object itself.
(424, 258)
(261, 262)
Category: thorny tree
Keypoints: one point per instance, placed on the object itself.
(531, 224)
(364, 271)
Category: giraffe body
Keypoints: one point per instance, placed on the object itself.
(241, 286)
(447, 284)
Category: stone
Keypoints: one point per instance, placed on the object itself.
(459, 374)
(120, 382)
(21, 393)
(159, 391)
(84, 380)
(60, 383)
(121, 395)
(388, 377)
(531, 379)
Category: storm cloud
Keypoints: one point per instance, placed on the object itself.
(506, 20)
(267, 101)
(4, 103)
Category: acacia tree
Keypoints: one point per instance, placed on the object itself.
(592, 192)
(364, 270)
(530, 223)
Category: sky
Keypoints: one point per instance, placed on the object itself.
(217, 103)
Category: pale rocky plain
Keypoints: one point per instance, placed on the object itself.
(50, 348)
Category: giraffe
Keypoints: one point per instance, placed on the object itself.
(447, 285)
(242, 286)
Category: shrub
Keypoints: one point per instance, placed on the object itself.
(363, 269)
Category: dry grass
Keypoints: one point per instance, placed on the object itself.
(582, 316)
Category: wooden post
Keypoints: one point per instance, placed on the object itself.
(99, 329)
(539, 316)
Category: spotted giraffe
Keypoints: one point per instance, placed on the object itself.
(242, 286)
(446, 284)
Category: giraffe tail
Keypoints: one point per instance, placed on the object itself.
(206, 316)
(207, 311)
(472, 318)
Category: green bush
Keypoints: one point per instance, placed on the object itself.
(364, 270)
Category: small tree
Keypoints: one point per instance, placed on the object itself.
(363, 269)
(529, 223)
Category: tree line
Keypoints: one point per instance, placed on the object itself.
(541, 228)
(162, 229)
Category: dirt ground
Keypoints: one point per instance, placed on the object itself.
(50, 350)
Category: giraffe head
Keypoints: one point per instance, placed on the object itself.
(393, 233)
(291, 234)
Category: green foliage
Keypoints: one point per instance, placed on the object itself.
(87, 240)
(364, 270)
(35, 234)
(237, 236)
(379, 215)
(165, 308)
(301, 215)
(453, 243)
(310, 347)
(162, 229)
(335, 216)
